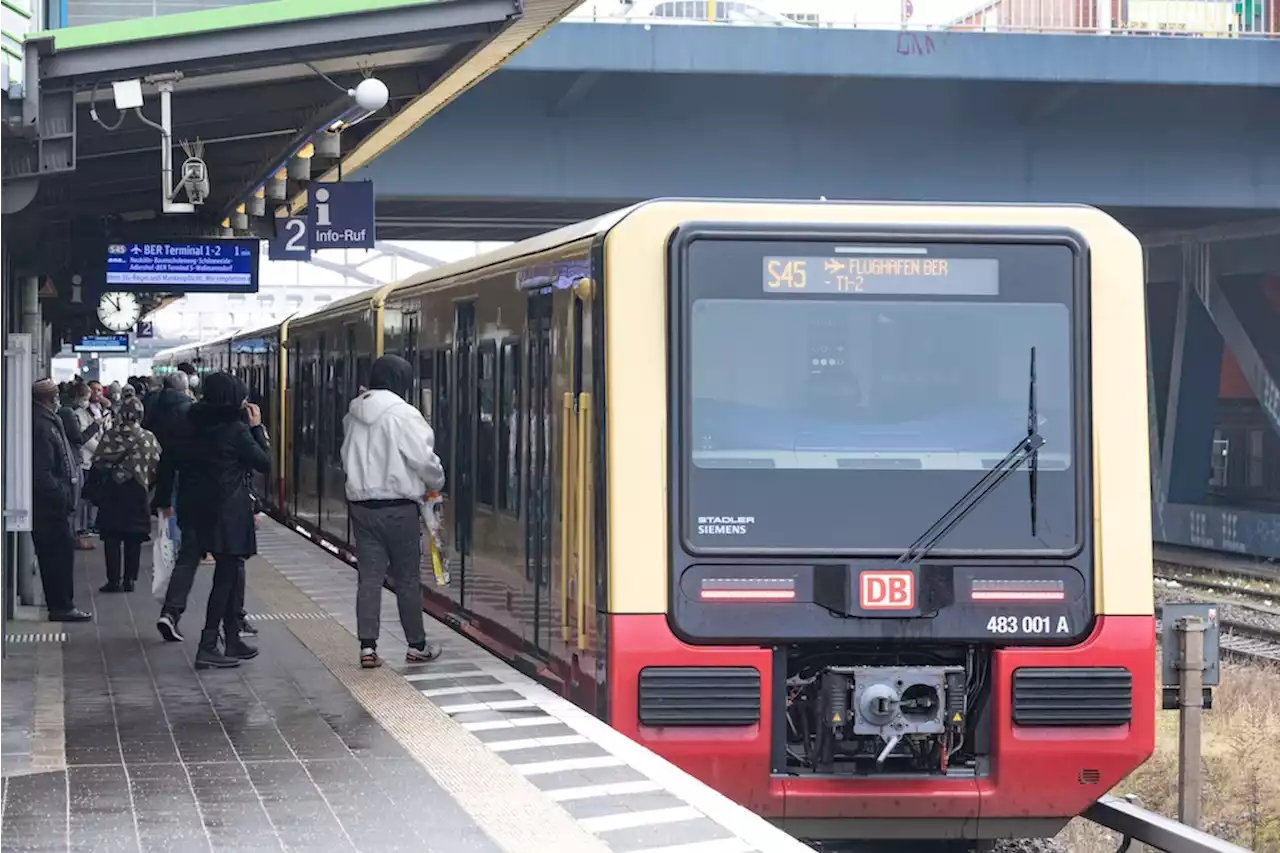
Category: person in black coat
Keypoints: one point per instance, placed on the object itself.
(227, 445)
(55, 475)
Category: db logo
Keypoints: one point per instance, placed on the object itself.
(887, 590)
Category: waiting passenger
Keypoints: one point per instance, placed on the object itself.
(76, 438)
(55, 471)
(154, 386)
(390, 462)
(124, 470)
(168, 408)
(91, 427)
(228, 444)
(168, 420)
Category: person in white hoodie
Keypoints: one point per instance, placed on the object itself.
(389, 458)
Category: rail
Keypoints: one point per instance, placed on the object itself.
(1160, 18)
(1135, 823)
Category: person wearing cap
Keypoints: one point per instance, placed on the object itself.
(55, 477)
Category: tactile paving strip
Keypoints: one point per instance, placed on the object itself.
(510, 809)
(41, 637)
(285, 617)
(616, 789)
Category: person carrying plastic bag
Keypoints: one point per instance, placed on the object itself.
(164, 553)
(390, 463)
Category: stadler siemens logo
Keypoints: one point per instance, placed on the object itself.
(724, 525)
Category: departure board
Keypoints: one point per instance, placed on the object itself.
(881, 276)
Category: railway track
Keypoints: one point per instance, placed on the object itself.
(1245, 590)
(1225, 587)
(1242, 640)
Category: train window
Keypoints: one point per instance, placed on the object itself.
(509, 427)
(340, 401)
(444, 415)
(840, 400)
(426, 374)
(1221, 456)
(486, 433)
(1256, 469)
(363, 364)
(307, 418)
(409, 349)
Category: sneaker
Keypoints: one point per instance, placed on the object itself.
(369, 659)
(426, 654)
(247, 628)
(167, 625)
(110, 587)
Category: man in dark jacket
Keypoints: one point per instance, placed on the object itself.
(168, 420)
(169, 408)
(55, 477)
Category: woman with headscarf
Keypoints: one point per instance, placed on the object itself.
(227, 445)
(124, 470)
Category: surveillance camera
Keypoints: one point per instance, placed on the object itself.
(195, 180)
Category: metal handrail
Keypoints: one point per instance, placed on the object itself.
(1138, 824)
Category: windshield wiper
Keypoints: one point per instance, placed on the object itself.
(1026, 450)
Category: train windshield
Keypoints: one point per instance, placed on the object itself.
(841, 397)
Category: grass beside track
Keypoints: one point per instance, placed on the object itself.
(1241, 763)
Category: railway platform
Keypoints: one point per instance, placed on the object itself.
(113, 741)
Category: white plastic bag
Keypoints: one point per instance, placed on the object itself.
(164, 552)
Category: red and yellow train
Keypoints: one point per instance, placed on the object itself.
(843, 508)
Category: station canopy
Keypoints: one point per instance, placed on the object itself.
(255, 84)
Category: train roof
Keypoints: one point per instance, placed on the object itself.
(376, 296)
(261, 331)
(561, 236)
(195, 345)
(371, 298)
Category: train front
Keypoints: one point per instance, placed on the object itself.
(909, 531)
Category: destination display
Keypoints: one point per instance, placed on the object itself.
(102, 344)
(893, 276)
(211, 266)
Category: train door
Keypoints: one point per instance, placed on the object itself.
(322, 394)
(538, 511)
(296, 377)
(339, 368)
(578, 535)
(464, 343)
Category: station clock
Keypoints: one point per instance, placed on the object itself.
(119, 312)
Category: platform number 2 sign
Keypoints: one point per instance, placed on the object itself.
(290, 242)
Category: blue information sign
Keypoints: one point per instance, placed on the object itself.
(102, 343)
(209, 266)
(340, 215)
(290, 241)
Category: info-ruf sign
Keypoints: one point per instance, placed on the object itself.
(339, 216)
